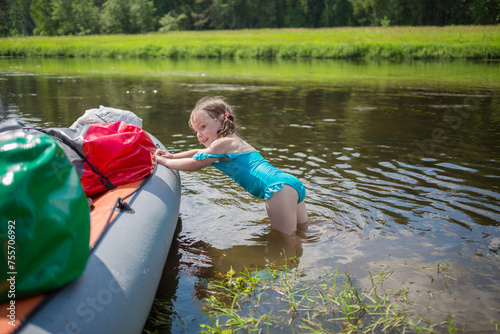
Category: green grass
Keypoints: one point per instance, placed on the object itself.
(283, 302)
(457, 42)
(281, 299)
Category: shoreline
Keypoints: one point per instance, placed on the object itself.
(392, 43)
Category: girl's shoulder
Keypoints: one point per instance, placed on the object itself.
(231, 144)
(221, 146)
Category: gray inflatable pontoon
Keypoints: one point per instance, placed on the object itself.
(115, 292)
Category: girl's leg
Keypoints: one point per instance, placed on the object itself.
(282, 210)
(302, 216)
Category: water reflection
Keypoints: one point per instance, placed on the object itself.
(399, 172)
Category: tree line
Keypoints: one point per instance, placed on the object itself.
(85, 17)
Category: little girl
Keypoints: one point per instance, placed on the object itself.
(214, 123)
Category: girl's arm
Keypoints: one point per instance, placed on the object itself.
(186, 154)
(185, 164)
(184, 161)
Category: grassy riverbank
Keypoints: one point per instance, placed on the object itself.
(458, 42)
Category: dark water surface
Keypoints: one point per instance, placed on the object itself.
(401, 162)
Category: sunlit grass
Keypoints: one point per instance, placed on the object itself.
(461, 42)
(281, 299)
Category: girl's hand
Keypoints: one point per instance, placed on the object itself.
(164, 154)
(162, 160)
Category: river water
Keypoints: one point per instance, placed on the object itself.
(401, 163)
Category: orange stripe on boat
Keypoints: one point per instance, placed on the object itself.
(104, 206)
(22, 308)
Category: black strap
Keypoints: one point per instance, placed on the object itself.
(104, 179)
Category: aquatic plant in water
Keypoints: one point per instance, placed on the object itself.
(279, 299)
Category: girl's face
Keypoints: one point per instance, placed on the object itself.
(206, 128)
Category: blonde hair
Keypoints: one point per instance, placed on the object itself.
(217, 108)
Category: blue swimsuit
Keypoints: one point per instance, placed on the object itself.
(257, 176)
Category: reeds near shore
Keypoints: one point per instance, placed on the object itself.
(281, 299)
(458, 42)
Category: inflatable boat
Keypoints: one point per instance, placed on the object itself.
(131, 232)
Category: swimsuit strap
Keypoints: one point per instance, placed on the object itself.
(203, 156)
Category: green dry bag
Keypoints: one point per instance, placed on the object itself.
(44, 216)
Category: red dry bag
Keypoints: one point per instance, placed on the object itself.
(105, 155)
(123, 153)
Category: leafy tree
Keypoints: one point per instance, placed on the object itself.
(20, 18)
(314, 10)
(115, 17)
(389, 12)
(174, 7)
(62, 15)
(41, 12)
(171, 21)
(142, 16)
(86, 17)
(128, 16)
(295, 16)
(50, 17)
(484, 11)
(74, 17)
(4, 18)
(271, 14)
(215, 14)
(247, 14)
(336, 13)
(342, 13)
